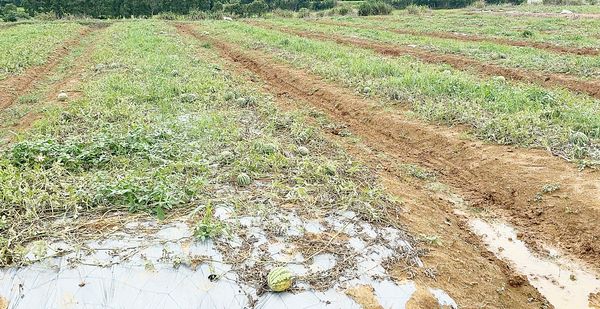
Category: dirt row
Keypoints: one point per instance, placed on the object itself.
(67, 83)
(466, 268)
(12, 87)
(504, 179)
(591, 88)
(474, 38)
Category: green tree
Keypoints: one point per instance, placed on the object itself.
(257, 8)
(9, 13)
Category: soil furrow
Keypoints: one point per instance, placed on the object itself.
(12, 87)
(67, 84)
(591, 88)
(466, 268)
(502, 179)
(474, 38)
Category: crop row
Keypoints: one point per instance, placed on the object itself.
(503, 112)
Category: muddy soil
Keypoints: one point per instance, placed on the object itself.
(475, 38)
(464, 266)
(12, 87)
(591, 88)
(505, 180)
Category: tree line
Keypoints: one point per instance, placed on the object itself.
(146, 8)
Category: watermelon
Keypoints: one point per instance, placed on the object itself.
(226, 157)
(242, 102)
(579, 139)
(279, 279)
(499, 79)
(303, 151)
(243, 180)
(62, 96)
(266, 148)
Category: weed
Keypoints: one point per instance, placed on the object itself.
(433, 240)
(550, 188)
(527, 33)
(208, 227)
(303, 13)
(416, 9)
(374, 8)
(418, 172)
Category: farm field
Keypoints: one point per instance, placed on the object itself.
(440, 160)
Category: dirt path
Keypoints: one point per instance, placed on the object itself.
(465, 267)
(591, 88)
(474, 38)
(502, 179)
(12, 87)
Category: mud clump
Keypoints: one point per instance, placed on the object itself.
(364, 295)
(517, 281)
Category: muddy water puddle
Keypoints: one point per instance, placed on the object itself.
(563, 282)
(170, 268)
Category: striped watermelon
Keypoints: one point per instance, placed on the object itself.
(279, 279)
(243, 180)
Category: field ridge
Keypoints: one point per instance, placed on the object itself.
(591, 88)
(475, 38)
(12, 87)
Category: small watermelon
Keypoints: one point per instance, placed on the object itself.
(579, 138)
(279, 279)
(226, 157)
(266, 148)
(243, 180)
(63, 96)
(303, 151)
(499, 79)
(242, 102)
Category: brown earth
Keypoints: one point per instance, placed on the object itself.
(475, 38)
(594, 301)
(464, 267)
(12, 87)
(591, 88)
(502, 179)
(363, 295)
(422, 299)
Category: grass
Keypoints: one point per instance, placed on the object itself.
(556, 30)
(159, 131)
(498, 111)
(534, 8)
(34, 102)
(587, 67)
(29, 45)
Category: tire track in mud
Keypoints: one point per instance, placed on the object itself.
(12, 87)
(588, 51)
(466, 268)
(591, 88)
(503, 179)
